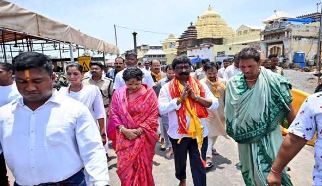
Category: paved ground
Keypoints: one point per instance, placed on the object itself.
(225, 172)
(305, 81)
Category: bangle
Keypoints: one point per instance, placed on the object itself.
(197, 98)
(275, 172)
(180, 100)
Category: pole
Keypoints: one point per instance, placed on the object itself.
(71, 52)
(319, 50)
(134, 39)
(115, 35)
(60, 56)
(4, 47)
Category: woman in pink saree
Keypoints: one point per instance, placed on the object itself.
(133, 122)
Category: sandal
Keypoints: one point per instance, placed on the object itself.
(209, 163)
(169, 153)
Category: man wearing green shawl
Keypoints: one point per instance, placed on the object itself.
(257, 101)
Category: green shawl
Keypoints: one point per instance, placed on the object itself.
(252, 113)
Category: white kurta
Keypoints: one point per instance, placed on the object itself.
(216, 119)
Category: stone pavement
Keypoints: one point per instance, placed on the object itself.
(224, 172)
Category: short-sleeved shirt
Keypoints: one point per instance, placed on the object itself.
(105, 85)
(307, 122)
(91, 97)
(147, 79)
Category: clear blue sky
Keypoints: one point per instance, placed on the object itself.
(97, 17)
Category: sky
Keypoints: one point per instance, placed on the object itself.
(161, 17)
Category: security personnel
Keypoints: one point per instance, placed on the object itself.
(104, 84)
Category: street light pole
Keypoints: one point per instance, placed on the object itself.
(134, 38)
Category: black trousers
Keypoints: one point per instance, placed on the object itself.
(189, 145)
(3, 171)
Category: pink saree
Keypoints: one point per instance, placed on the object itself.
(135, 157)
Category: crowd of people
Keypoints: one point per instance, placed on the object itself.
(61, 137)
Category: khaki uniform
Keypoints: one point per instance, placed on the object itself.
(106, 87)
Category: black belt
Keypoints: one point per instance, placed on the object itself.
(67, 182)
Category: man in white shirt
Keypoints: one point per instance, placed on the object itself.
(232, 69)
(132, 61)
(186, 100)
(221, 71)
(46, 137)
(200, 73)
(8, 92)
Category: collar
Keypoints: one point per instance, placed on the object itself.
(55, 98)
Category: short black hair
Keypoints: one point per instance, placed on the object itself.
(236, 58)
(128, 54)
(123, 60)
(29, 60)
(6, 66)
(249, 53)
(226, 60)
(77, 65)
(204, 61)
(98, 63)
(182, 59)
(132, 72)
(210, 65)
(168, 67)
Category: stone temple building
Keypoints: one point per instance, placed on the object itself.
(211, 37)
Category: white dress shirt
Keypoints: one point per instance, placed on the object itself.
(221, 72)
(51, 143)
(231, 71)
(147, 79)
(8, 94)
(91, 97)
(167, 105)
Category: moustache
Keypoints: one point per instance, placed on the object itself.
(184, 73)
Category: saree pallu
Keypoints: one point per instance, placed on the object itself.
(253, 116)
(134, 163)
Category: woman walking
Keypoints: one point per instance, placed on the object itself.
(133, 124)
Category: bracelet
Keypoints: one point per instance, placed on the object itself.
(197, 98)
(275, 172)
(180, 100)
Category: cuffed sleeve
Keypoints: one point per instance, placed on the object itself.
(91, 148)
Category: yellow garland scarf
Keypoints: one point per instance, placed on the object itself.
(215, 87)
(195, 130)
(157, 76)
